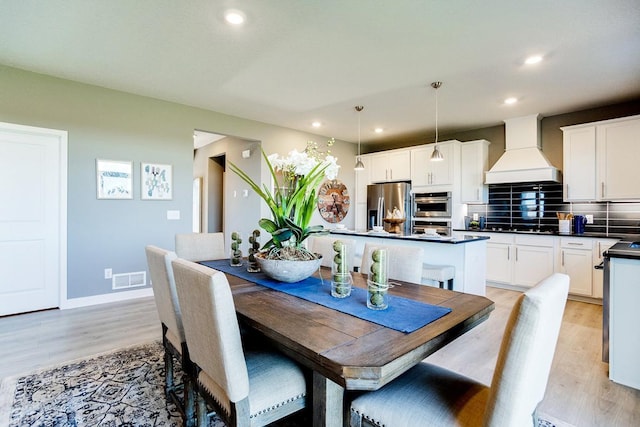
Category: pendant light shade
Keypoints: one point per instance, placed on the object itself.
(359, 165)
(436, 156)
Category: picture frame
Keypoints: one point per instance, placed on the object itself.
(114, 179)
(156, 181)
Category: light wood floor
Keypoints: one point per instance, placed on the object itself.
(579, 391)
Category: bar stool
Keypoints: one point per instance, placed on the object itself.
(440, 274)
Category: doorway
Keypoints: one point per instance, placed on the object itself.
(215, 193)
(33, 218)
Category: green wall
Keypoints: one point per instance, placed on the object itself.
(108, 124)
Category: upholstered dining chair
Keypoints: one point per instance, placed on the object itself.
(252, 388)
(431, 395)
(200, 246)
(323, 245)
(173, 338)
(405, 262)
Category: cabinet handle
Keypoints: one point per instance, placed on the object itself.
(599, 252)
(508, 252)
(516, 254)
(386, 174)
(575, 244)
(563, 258)
(602, 189)
(391, 173)
(477, 194)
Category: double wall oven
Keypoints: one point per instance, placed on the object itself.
(431, 211)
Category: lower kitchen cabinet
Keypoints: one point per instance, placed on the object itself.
(576, 260)
(519, 260)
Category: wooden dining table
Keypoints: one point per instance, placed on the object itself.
(345, 352)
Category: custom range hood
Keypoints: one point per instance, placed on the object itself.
(522, 161)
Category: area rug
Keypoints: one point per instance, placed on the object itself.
(121, 388)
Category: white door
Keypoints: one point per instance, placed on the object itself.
(33, 178)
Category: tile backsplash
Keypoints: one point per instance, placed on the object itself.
(528, 206)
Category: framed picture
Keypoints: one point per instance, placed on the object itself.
(156, 181)
(114, 179)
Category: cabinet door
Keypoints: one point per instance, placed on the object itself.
(499, 264)
(532, 264)
(442, 172)
(379, 168)
(579, 164)
(399, 165)
(619, 151)
(473, 164)
(578, 263)
(419, 170)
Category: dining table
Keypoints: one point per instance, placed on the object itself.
(346, 353)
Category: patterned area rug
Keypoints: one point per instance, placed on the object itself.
(122, 388)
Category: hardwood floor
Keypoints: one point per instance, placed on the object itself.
(578, 392)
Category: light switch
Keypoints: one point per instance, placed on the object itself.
(173, 215)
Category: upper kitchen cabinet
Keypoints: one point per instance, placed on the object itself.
(474, 162)
(389, 166)
(579, 164)
(597, 160)
(435, 176)
(618, 145)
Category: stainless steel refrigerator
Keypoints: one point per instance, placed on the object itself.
(383, 198)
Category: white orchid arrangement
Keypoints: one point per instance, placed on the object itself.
(293, 200)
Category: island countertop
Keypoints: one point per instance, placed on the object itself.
(412, 237)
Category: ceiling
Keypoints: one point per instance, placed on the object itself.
(294, 61)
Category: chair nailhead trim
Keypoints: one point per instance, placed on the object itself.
(371, 420)
(277, 405)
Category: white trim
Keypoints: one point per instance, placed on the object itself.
(105, 298)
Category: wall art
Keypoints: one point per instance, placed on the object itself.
(157, 181)
(114, 179)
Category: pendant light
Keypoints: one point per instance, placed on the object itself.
(436, 156)
(359, 165)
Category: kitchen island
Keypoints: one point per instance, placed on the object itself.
(468, 254)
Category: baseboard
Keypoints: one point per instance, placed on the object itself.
(105, 298)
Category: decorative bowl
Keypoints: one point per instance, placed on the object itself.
(289, 271)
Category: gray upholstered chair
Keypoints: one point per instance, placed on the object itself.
(200, 246)
(323, 245)
(252, 388)
(405, 262)
(173, 338)
(434, 396)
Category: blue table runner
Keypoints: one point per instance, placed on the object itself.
(403, 314)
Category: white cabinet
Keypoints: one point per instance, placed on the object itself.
(474, 162)
(392, 165)
(597, 158)
(618, 154)
(534, 259)
(519, 260)
(435, 176)
(579, 164)
(576, 260)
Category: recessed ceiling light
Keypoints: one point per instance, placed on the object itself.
(533, 59)
(510, 101)
(234, 17)
(316, 124)
(378, 130)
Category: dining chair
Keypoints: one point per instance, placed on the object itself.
(251, 388)
(323, 245)
(173, 337)
(405, 262)
(200, 246)
(430, 394)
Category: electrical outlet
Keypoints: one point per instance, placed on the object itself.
(589, 219)
(108, 273)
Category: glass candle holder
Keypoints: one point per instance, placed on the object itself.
(378, 282)
(340, 271)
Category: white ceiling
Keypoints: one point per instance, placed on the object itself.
(296, 61)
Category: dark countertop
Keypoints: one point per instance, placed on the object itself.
(414, 237)
(628, 237)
